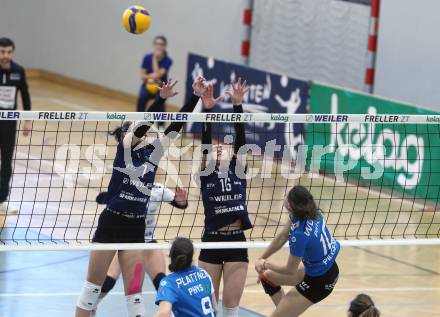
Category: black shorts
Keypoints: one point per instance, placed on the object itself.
(220, 256)
(116, 228)
(316, 288)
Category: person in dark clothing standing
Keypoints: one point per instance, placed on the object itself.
(12, 80)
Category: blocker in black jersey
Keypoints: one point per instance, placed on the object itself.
(12, 81)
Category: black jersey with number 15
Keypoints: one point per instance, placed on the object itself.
(224, 199)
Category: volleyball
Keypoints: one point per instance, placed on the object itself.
(152, 86)
(136, 19)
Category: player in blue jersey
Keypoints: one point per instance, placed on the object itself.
(311, 266)
(154, 71)
(128, 195)
(223, 188)
(188, 290)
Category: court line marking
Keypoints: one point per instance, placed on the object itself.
(251, 291)
(391, 258)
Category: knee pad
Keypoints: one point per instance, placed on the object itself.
(157, 279)
(269, 287)
(135, 305)
(230, 311)
(109, 283)
(88, 298)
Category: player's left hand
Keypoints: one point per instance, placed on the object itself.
(27, 128)
(167, 89)
(238, 91)
(181, 196)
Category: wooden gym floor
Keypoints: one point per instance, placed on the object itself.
(404, 281)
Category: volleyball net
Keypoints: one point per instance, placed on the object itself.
(375, 177)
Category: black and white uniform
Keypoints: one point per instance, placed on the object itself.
(12, 81)
(224, 201)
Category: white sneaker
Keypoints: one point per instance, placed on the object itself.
(7, 209)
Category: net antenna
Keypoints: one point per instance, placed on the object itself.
(375, 177)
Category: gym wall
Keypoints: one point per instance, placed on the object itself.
(85, 40)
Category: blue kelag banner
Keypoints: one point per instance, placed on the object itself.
(268, 93)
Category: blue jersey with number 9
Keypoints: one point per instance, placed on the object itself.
(190, 292)
(312, 242)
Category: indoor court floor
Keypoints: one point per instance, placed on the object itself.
(403, 281)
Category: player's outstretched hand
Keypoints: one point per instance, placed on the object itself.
(238, 91)
(209, 101)
(181, 196)
(167, 89)
(199, 86)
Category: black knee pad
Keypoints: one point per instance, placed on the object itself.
(109, 283)
(269, 288)
(157, 279)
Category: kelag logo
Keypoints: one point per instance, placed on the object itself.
(115, 116)
(279, 118)
(433, 119)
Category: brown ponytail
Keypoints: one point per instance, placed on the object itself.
(119, 131)
(181, 254)
(301, 204)
(363, 306)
